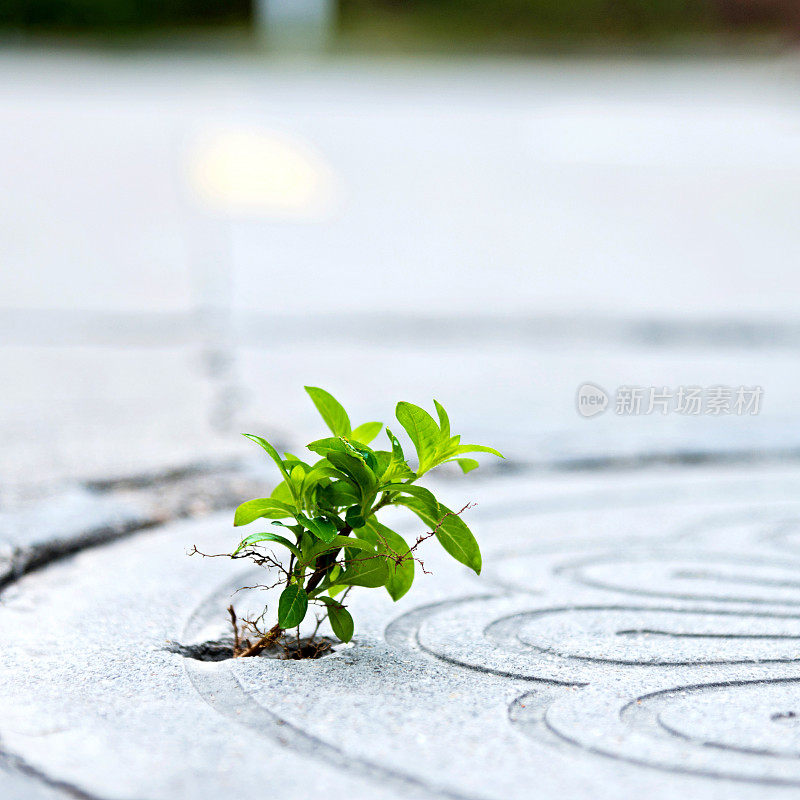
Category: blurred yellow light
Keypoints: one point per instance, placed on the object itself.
(256, 172)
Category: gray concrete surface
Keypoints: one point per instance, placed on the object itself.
(148, 411)
(183, 233)
(191, 241)
(631, 635)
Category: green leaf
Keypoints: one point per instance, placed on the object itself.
(354, 518)
(292, 606)
(261, 507)
(382, 460)
(282, 493)
(316, 482)
(399, 559)
(322, 469)
(363, 452)
(341, 444)
(330, 410)
(298, 475)
(396, 469)
(320, 526)
(290, 461)
(425, 495)
(444, 420)
(366, 433)
(297, 530)
(397, 450)
(341, 493)
(338, 541)
(324, 446)
(478, 448)
(271, 451)
(256, 538)
(273, 454)
(467, 464)
(325, 528)
(357, 471)
(367, 534)
(307, 544)
(452, 533)
(341, 623)
(423, 432)
(340, 619)
(369, 572)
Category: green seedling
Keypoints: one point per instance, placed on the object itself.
(324, 515)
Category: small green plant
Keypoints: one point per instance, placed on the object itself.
(329, 510)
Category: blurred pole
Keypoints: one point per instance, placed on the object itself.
(304, 25)
(232, 174)
(213, 274)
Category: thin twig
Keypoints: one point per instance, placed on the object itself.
(236, 642)
(316, 628)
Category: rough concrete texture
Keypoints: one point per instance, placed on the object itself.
(630, 636)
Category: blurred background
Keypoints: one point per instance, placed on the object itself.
(206, 205)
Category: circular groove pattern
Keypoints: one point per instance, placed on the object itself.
(658, 635)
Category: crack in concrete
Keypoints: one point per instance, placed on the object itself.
(160, 329)
(156, 478)
(23, 561)
(201, 488)
(13, 763)
(160, 497)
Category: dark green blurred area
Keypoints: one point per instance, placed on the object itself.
(120, 13)
(400, 21)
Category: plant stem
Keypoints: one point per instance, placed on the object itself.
(324, 563)
(327, 560)
(319, 622)
(384, 501)
(267, 640)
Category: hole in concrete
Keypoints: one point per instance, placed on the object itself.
(288, 650)
(205, 651)
(305, 648)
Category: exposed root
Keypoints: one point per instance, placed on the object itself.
(284, 649)
(237, 643)
(298, 648)
(267, 640)
(305, 648)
